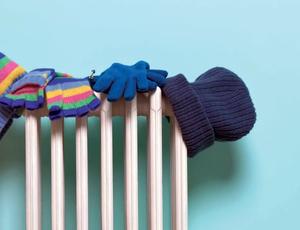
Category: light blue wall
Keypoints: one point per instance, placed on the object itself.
(246, 185)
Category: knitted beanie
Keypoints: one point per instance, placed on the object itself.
(217, 106)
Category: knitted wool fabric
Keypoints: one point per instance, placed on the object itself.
(70, 97)
(6, 119)
(123, 80)
(9, 72)
(217, 106)
(28, 92)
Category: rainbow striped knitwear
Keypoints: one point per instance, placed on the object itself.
(66, 96)
(6, 119)
(9, 73)
(28, 92)
(70, 97)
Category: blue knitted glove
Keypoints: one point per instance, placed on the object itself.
(123, 80)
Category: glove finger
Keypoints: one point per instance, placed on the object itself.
(68, 107)
(56, 115)
(116, 90)
(103, 82)
(130, 89)
(81, 107)
(55, 104)
(31, 105)
(94, 103)
(18, 103)
(31, 101)
(4, 100)
(158, 78)
(142, 83)
(152, 85)
(90, 100)
(69, 111)
(54, 97)
(142, 65)
(82, 111)
(41, 97)
(159, 71)
(86, 105)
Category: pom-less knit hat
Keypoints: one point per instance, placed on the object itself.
(217, 106)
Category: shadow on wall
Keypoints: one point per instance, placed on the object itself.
(217, 165)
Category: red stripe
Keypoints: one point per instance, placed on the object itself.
(31, 88)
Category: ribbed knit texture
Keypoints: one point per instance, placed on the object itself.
(70, 97)
(9, 72)
(28, 92)
(217, 106)
(125, 80)
(195, 127)
(227, 103)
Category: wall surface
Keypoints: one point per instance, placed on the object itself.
(246, 185)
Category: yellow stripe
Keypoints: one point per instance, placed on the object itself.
(10, 78)
(69, 92)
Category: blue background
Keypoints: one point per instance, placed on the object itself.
(249, 184)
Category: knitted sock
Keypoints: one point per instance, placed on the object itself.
(28, 92)
(9, 72)
(70, 97)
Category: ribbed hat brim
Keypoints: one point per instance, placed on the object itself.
(196, 129)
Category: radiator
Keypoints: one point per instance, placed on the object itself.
(151, 105)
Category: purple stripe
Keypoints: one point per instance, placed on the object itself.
(20, 103)
(2, 55)
(34, 77)
(78, 112)
(66, 83)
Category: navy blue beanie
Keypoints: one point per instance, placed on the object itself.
(216, 107)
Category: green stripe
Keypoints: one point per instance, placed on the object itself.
(64, 75)
(27, 97)
(58, 103)
(41, 92)
(3, 62)
(79, 104)
(75, 105)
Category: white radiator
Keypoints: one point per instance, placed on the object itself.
(153, 106)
